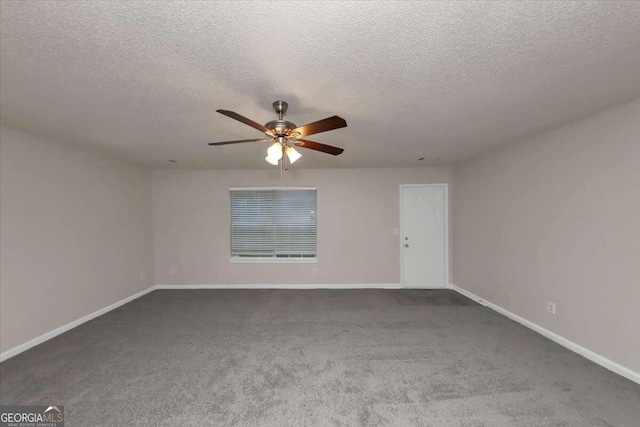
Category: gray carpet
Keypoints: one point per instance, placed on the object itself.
(314, 357)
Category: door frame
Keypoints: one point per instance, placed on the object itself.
(445, 186)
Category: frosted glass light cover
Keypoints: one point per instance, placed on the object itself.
(293, 154)
(275, 151)
(274, 162)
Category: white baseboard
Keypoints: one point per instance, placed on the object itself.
(64, 328)
(296, 286)
(584, 352)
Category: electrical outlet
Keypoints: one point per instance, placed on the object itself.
(172, 270)
(314, 270)
(142, 275)
(551, 307)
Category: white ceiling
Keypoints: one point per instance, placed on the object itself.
(142, 80)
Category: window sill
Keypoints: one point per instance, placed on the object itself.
(240, 260)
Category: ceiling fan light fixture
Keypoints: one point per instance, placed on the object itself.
(292, 154)
(275, 151)
(274, 162)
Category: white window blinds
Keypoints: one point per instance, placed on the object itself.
(277, 223)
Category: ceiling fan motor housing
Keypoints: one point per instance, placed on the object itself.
(280, 127)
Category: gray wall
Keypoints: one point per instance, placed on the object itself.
(557, 218)
(358, 210)
(75, 231)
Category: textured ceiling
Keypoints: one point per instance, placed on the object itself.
(142, 80)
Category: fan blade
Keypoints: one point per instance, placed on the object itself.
(246, 121)
(330, 123)
(318, 147)
(238, 141)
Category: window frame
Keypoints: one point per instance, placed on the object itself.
(271, 260)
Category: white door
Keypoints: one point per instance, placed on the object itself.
(424, 235)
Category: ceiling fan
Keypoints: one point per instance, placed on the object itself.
(285, 135)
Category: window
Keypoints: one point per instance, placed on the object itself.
(273, 224)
